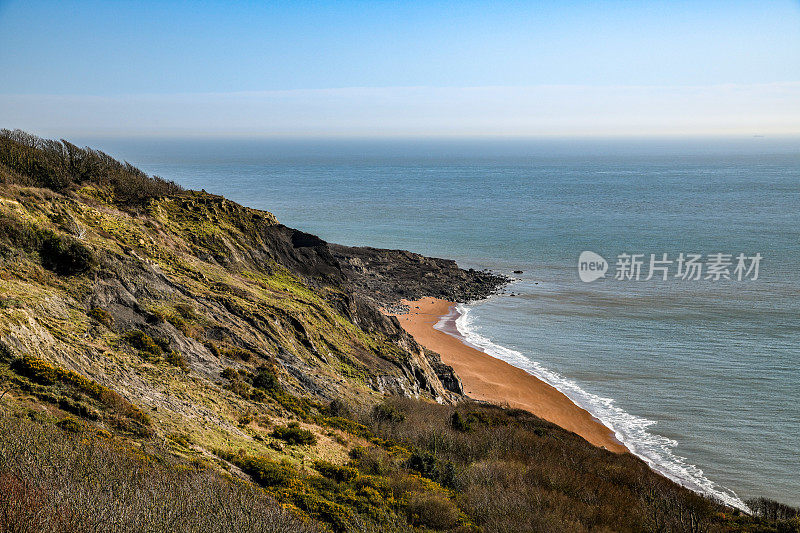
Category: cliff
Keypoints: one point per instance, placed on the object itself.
(195, 359)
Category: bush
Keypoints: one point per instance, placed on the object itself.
(179, 323)
(69, 424)
(338, 409)
(425, 463)
(266, 472)
(64, 255)
(45, 373)
(388, 413)
(348, 426)
(19, 234)
(265, 379)
(76, 408)
(177, 359)
(339, 516)
(434, 510)
(237, 353)
(144, 343)
(294, 434)
(38, 370)
(340, 474)
(230, 373)
(461, 422)
(59, 165)
(101, 315)
(371, 461)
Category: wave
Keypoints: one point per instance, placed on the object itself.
(633, 431)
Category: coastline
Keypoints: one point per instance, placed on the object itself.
(493, 380)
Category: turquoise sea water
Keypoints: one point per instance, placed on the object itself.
(699, 378)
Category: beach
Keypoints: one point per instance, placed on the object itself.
(489, 379)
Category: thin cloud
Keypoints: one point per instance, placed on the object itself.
(563, 110)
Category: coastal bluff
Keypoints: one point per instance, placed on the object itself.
(171, 360)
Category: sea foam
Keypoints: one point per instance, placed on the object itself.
(633, 431)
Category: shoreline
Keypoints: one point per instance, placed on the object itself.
(493, 380)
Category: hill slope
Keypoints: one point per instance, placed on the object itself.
(175, 335)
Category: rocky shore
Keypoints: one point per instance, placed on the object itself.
(384, 277)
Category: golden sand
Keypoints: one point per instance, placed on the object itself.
(487, 378)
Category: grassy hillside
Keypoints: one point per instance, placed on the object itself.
(173, 361)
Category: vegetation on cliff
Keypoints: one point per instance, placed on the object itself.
(173, 361)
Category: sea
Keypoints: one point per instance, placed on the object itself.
(697, 373)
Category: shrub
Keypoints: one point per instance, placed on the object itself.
(230, 373)
(76, 408)
(162, 343)
(340, 474)
(237, 353)
(19, 234)
(294, 434)
(69, 424)
(59, 165)
(60, 482)
(461, 422)
(45, 373)
(434, 510)
(177, 359)
(101, 315)
(266, 472)
(186, 310)
(371, 460)
(38, 370)
(265, 379)
(129, 425)
(64, 255)
(241, 388)
(181, 439)
(339, 516)
(304, 408)
(144, 343)
(179, 323)
(423, 462)
(388, 413)
(337, 408)
(348, 426)
(212, 347)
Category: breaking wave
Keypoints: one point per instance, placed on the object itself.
(633, 431)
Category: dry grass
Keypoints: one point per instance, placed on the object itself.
(74, 482)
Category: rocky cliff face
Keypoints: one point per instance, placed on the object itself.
(214, 286)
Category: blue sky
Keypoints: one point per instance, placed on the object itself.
(401, 68)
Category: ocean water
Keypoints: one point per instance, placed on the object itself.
(699, 378)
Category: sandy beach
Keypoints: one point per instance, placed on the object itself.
(490, 379)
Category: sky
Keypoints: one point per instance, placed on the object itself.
(380, 68)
